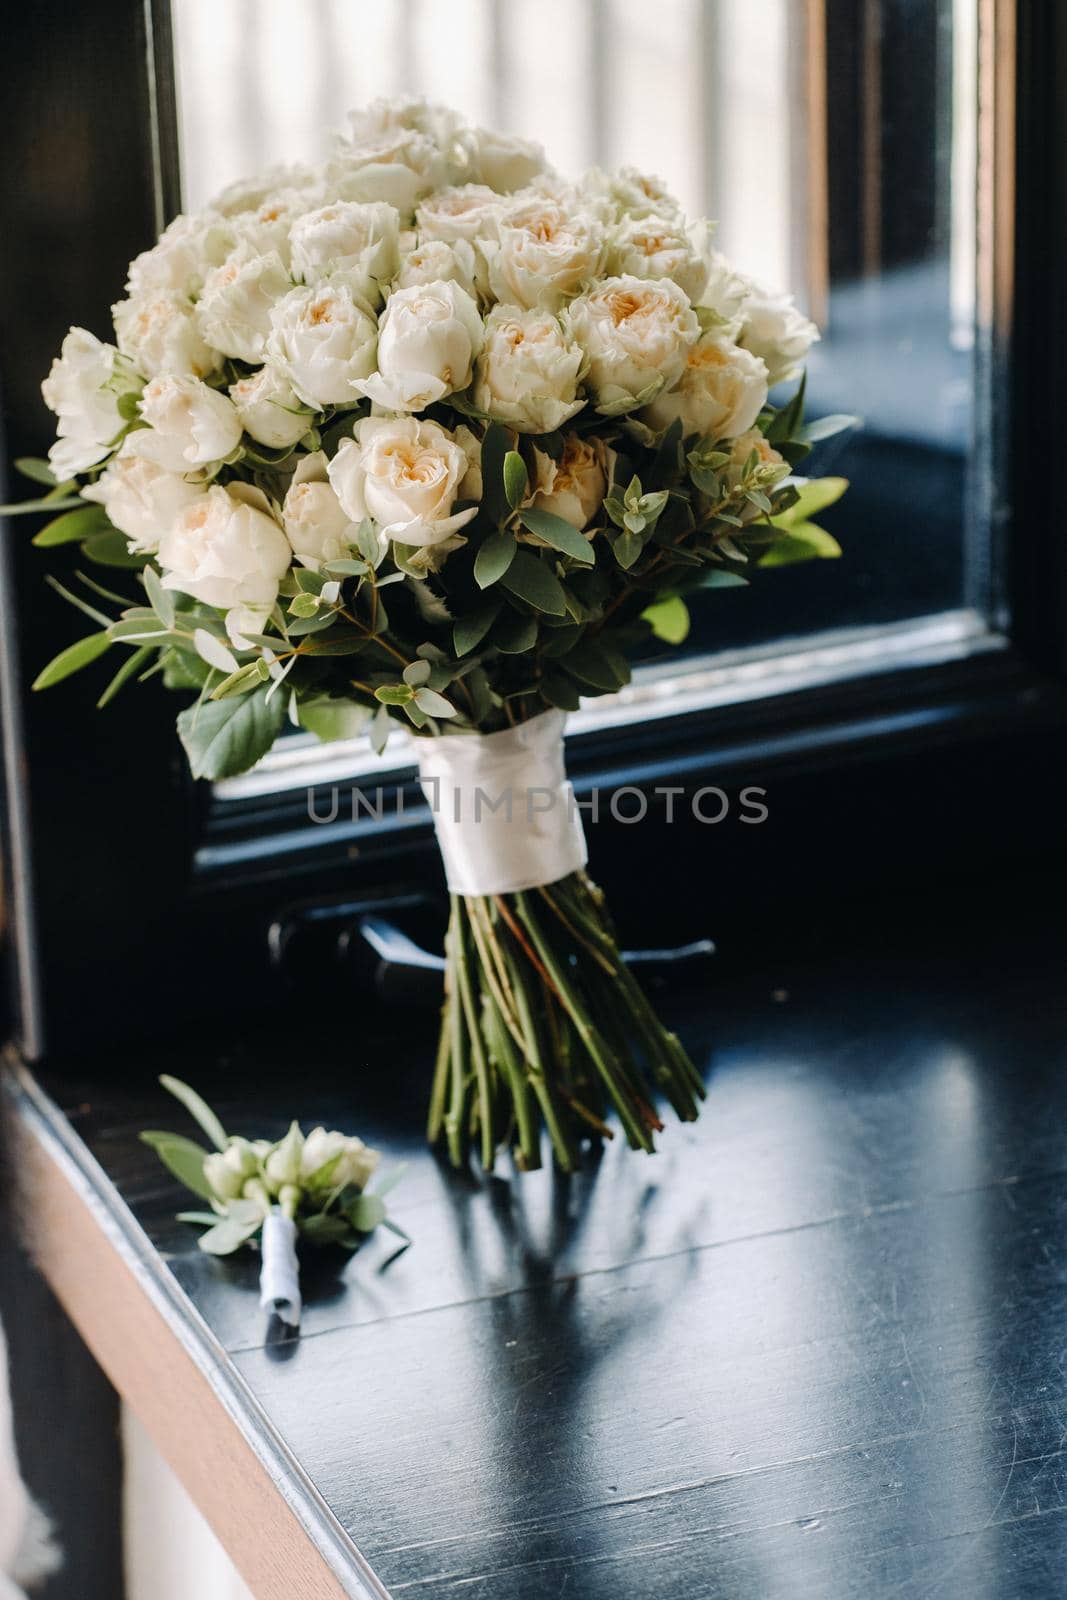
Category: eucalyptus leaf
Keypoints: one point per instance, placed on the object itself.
(110, 549)
(227, 1236)
(535, 582)
(559, 533)
(805, 541)
(516, 479)
(494, 558)
(494, 449)
(225, 737)
(329, 719)
(130, 667)
(72, 527)
(470, 630)
(366, 1212)
(183, 1157)
(198, 1109)
(76, 656)
(434, 704)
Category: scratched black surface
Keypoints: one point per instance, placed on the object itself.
(816, 1348)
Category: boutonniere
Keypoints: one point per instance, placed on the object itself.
(313, 1186)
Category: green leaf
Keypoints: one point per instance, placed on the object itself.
(241, 680)
(346, 569)
(669, 619)
(722, 578)
(515, 634)
(162, 600)
(378, 733)
(494, 449)
(210, 1217)
(417, 672)
(322, 1229)
(812, 496)
(827, 427)
(183, 1157)
(110, 549)
(225, 737)
(516, 479)
(626, 548)
(434, 704)
(129, 668)
(394, 694)
(805, 541)
(345, 642)
(559, 533)
(198, 1109)
(561, 691)
(227, 1236)
(597, 664)
(470, 630)
(494, 558)
(535, 582)
(366, 1213)
(385, 1185)
(72, 527)
(37, 469)
(76, 656)
(330, 719)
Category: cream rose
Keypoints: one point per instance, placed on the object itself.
(83, 388)
(397, 165)
(427, 341)
(501, 161)
(314, 520)
(225, 553)
(160, 333)
(434, 261)
(268, 227)
(545, 253)
(527, 374)
(720, 394)
(189, 425)
(773, 329)
(573, 487)
(772, 465)
(656, 247)
(186, 252)
(629, 192)
(355, 1162)
(358, 242)
(471, 211)
(142, 499)
(269, 410)
(235, 308)
(637, 334)
(406, 475)
(322, 341)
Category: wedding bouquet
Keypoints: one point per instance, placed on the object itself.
(432, 435)
(312, 1186)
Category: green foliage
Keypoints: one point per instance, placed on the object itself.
(198, 1109)
(72, 527)
(183, 1158)
(669, 619)
(534, 581)
(494, 557)
(225, 737)
(559, 533)
(76, 656)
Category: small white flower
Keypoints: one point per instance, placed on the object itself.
(427, 341)
(322, 341)
(159, 332)
(269, 409)
(355, 1161)
(183, 256)
(406, 475)
(226, 1170)
(282, 1166)
(235, 308)
(470, 211)
(358, 242)
(189, 424)
(317, 526)
(268, 227)
(501, 161)
(225, 553)
(720, 394)
(573, 487)
(83, 389)
(637, 334)
(545, 253)
(773, 329)
(141, 499)
(527, 374)
(434, 261)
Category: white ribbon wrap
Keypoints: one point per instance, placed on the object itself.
(279, 1278)
(505, 815)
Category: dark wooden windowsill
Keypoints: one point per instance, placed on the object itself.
(813, 1349)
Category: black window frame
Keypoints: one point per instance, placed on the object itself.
(118, 918)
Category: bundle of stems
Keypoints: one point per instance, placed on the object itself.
(542, 1023)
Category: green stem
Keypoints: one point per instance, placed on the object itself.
(481, 1065)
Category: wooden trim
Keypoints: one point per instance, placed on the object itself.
(164, 1361)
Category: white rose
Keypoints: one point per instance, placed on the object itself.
(187, 250)
(234, 309)
(322, 340)
(248, 194)
(269, 410)
(501, 161)
(225, 553)
(629, 192)
(527, 374)
(359, 241)
(427, 341)
(637, 334)
(160, 333)
(412, 113)
(573, 487)
(656, 247)
(141, 498)
(720, 394)
(315, 521)
(469, 211)
(268, 227)
(434, 261)
(398, 166)
(355, 1161)
(544, 254)
(189, 425)
(773, 329)
(406, 475)
(83, 388)
(726, 290)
